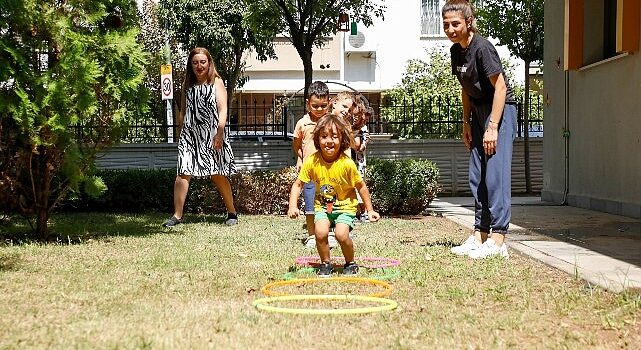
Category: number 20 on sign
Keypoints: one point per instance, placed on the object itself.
(166, 82)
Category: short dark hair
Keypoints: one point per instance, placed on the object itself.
(326, 122)
(318, 89)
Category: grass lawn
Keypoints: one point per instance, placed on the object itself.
(126, 282)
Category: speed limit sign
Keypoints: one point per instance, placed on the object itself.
(166, 82)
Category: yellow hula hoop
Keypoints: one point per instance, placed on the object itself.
(387, 289)
(387, 304)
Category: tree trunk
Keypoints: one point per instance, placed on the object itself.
(231, 88)
(42, 229)
(41, 186)
(526, 127)
(306, 56)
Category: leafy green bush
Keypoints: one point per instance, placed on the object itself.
(402, 186)
(135, 190)
(130, 190)
(255, 192)
(397, 187)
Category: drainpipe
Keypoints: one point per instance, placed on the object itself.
(566, 137)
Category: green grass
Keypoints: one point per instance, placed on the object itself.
(125, 282)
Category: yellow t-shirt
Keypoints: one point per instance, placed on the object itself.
(335, 183)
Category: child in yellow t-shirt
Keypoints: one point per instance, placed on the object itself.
(303, 146)
(337, 181)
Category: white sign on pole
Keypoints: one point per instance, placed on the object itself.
(167, 92)
(166, 82)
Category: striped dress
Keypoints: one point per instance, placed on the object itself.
(196, 154)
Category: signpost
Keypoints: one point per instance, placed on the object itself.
(167, 92)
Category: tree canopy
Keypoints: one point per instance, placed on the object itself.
(524, 34)
(69, 79)
(220, 27)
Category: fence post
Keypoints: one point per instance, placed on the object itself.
(519, 117)
(284, 120)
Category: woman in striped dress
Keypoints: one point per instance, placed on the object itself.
(203, 147)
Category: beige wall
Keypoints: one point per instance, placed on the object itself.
(604, 119)
(553, 76)
(289, 60)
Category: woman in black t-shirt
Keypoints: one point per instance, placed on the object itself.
(489, 128)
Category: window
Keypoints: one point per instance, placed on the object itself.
(609, 28)
(596, 30)
(430, 17)
(431, 22)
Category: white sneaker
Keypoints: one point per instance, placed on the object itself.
(332, 240)
(469, 244)
(489, 249)
(310, 242)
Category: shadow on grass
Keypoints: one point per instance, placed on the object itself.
(215, 219)
(10, 261)
(75, 228)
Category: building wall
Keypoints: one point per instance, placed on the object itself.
(603, 103)
(554, 107)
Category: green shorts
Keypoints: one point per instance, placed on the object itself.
(335, 218)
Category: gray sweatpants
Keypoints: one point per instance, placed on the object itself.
(491, 176)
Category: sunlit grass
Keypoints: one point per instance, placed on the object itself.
(126, 282)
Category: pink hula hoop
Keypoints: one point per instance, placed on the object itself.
(383, 262)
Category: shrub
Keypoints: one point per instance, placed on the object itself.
(402, 186)
(397, 187)
(264, 191)
(130, 190)
(135, 190)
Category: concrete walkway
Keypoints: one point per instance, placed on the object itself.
(603, 249)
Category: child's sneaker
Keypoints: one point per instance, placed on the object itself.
(489, 249)
(470, 244)
(325, 269)
(364, 217)
(310, 242)
(173, 221)
(333, 243)
(350, 269)
(232, 219)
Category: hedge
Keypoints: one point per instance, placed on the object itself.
(397, 187)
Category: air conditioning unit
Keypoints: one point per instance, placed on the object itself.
(361, 43)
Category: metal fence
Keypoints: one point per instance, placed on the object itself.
(440, 118)
(275, 119)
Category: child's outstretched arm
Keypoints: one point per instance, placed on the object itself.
(293, 210)
(358, 141)
(297, 147)
(365, 138)
(367, 201)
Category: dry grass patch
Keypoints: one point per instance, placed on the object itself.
(132, 284)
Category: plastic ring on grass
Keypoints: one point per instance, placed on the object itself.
(384, 262)
(387, 289)
(395, 273)
(292, 274)
(392, 273)
(387, 304)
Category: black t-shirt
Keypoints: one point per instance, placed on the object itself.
(472, 67)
